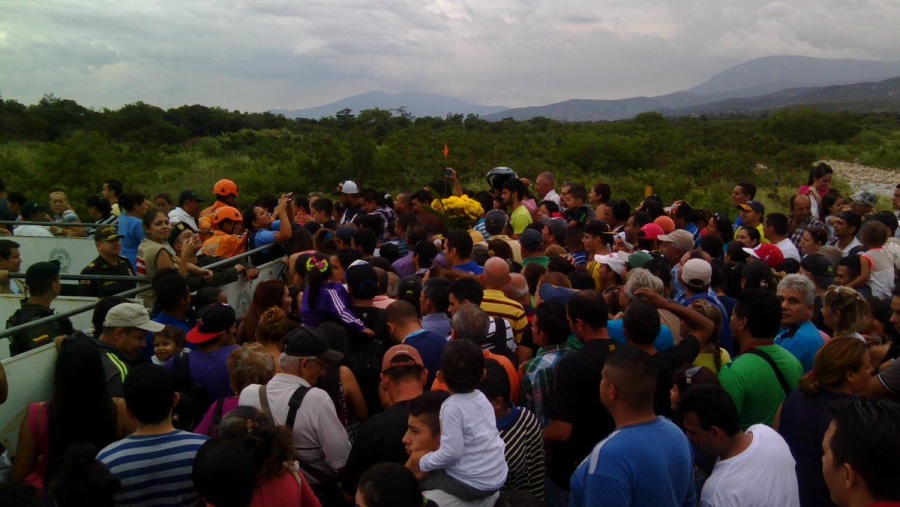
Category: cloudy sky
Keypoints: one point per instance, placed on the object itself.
(261, 54)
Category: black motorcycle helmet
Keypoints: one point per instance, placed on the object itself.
(497, 176)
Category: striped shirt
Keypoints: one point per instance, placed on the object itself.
(155, 470)
(496, 304)
(521, 433)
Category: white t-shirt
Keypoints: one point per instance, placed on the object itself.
(788, 249)
(32, 230)
(761, 476)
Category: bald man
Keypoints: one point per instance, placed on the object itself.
(495, 303)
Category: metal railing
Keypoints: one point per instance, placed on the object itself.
(128, 293)
(55, 224)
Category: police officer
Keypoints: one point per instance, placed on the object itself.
(109, 262)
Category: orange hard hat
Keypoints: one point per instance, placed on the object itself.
(225, 187)
(226, 213)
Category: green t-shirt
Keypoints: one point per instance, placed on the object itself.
(543, 260)
(754, 387)
(520, 219)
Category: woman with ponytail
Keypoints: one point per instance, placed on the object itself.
(841, 369)
(326, 300)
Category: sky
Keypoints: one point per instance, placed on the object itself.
(255, 55)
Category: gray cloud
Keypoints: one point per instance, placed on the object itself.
(260, 54)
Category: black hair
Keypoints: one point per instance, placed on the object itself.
(485, 199)
(560, 264)
(495, 383)
(370, 194)
(41, 286)
(713, 407)
(518, 498)
(128, 200)
(579, 193)
(101, 309)
(712, 245)
(224, 474)
(365, 239)
(150, 216)
(756, 274)
(409, 291)
(437, 290)
(428, 404)
(581, 280)
(641, 322)
(467, 289)
(371, 223)
(753, 232)
(551, 320)
(551, 206)
(659, 267)
(170, 288)
(819, 171)
(6, 248)
(852, 263)
(389, 252)
(516, 186)
(422, 196)
(102, 205)
(462, 365)
(749, 189)
(653, 206)
(149, 392)
(323, 204)
(205, 296)
(778, 222)
(636, 375)
(82, 480)
(865, 437)
(390, 485)
(621, 210)
(316, 277)
(115, 186)
(888, 219)
(533, 273)
(461, 241)
(762, 309)
(426, 252)
(588, 307)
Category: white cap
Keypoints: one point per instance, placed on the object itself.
(131, 315)
(349, 187)
(614, 262)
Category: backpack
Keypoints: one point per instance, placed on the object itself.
(193, 399)
(34, 337)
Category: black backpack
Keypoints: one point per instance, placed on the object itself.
(34, 337)
(193, 399)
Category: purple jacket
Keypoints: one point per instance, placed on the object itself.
(332, 304)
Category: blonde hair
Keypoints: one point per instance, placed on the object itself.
(271, 326)
(850, 309)
(832, 363)
(249, 365)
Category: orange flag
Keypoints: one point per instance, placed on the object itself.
(446, 150)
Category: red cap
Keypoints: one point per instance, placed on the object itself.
(652, 231)
(768, 253)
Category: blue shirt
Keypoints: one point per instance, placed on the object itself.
(647, 464)
(802, 341)
(265, 237)
(132, 231)
(664, 340)
(437, 323)
(470, 267)
(430, 346)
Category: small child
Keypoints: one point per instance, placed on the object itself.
(470, 463)
(876, 264)
(167, 344)
(577, 212)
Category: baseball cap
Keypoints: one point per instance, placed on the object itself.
(401, 355)
(614, 262)
(189, 195)
(864, 198)
(531, 240)
(32, 208)
(345, 233)
(555, 294)
(636, 259)
(557, 226)
(131, 315)
(362, 280)
(696, 273)
(40, 271)
(495, 219)
(665, 223)
(680, 237)
(597, 228)
(309, 342)
(349, 187)
(752, 206)
(820, 268)
(768, 253)
(651, 231)
(107, 233)
(212, 321)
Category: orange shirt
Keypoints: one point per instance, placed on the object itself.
(505, 363)
(205, 220)
(222, 244)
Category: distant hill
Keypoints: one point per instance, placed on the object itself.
(754, 78)
(880, 96)
(416, 104)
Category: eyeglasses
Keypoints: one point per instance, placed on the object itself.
(319, 361)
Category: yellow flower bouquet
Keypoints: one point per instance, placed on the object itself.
(457, 212)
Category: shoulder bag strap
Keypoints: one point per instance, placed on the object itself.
(775, 368)
(264, 401)
(294, 404)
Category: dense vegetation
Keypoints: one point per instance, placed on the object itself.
(59, 143)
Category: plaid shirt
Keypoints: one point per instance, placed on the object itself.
(384, 223)
(538, 376)
(807, 224)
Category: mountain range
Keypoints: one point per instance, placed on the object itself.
(753, 86)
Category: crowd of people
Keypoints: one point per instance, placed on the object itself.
(561, 348)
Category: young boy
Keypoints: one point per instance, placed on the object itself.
(577, 212)
(168, 343)
(470, 462)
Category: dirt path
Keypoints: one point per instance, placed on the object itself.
(862, 177)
